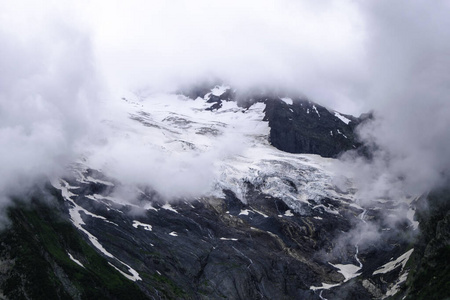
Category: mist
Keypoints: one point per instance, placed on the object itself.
(311, 48)
(408, 47)
(61, 62)
(48, 88)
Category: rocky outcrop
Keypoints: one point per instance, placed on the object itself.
(430, 274)
(42, 256)
(296, 125)
(305, 127)
(274, 225)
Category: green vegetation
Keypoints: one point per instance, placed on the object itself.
(430, 272)
(38, 241)
(169, 288)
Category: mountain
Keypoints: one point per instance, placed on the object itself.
(430, 271)
(271, 222)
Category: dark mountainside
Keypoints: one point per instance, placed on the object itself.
(223, 247)
(300, 126)
(306, 127)
(430, 272)
(34, 256)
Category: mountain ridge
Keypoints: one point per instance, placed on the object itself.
(271, 225)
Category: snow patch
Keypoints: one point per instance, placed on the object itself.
(228, 239)
(75, 260)
(349, 271)
(218, 90)
(338, 131)
(134, 275)
(167, 206)
(324, 286)
(396, 286)
(262, 214)
(315, 109)
(392, 265)
(288, 213)
(76, 219)
(342, 118)
(288, 101)
(245, 212)
(136, 224)
(410, 215)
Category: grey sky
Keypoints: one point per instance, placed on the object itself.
(59, 57)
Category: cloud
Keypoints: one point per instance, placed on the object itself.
(312, 48)
(350, 55)
(47, 88)
(408, 46)
(174, 175)
(407, 60)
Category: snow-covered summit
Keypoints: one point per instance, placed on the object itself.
(214, 150)
(201, 177)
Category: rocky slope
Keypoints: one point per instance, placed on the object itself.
(269, 225)
(301, 126)
(430, 275)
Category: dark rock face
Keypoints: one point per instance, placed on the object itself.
(209, 248)
(306, 127)
(215, 247)
(430, 274)
(300, 127)
(228, 95)
(35, 262)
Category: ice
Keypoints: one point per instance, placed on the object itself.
(178, 127)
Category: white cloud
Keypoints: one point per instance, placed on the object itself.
(350, 55)
(48, 89)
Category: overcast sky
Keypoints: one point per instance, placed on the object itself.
(58, 58)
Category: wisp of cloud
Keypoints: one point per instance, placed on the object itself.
(48, 89)
(349, 55)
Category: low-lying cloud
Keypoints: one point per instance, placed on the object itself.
(407, 48)
(350, 55)
(48, 90)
